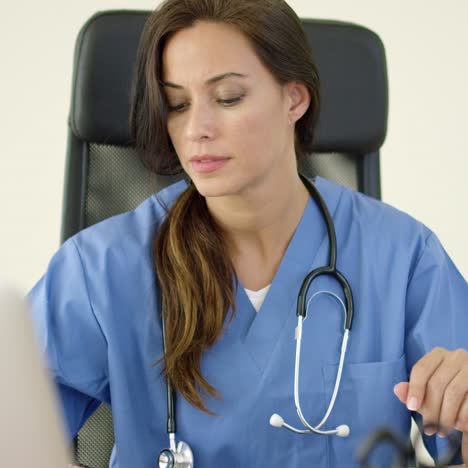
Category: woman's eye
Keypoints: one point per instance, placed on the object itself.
(231, 101)
(178, 108)
(225, 102)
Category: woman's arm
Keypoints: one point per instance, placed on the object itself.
(437, 344)
(70, 336)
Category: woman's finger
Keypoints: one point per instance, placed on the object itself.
(437, 386)
(420, 375)
(454, 405)
(461, 422)
(401, 391)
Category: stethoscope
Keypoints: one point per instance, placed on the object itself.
(179, 455)
(405, 450)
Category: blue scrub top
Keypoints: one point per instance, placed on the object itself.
(95, 311)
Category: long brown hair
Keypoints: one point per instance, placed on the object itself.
(194, 272)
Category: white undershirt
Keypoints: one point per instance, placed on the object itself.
(257, 297)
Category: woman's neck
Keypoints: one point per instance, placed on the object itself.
(260, 224)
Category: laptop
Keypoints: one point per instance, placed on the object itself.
(32, 433)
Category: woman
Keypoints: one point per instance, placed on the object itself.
(227, 91)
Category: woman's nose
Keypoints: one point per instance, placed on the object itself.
(201, 122)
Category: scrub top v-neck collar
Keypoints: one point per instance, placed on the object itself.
(260, 331)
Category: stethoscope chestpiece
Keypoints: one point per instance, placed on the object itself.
(180, 458)
(166, 459)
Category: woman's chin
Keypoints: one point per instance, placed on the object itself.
(212, 188)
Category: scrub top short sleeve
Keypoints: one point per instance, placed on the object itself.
(65, 322)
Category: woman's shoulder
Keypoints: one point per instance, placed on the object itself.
(370, 214)
(375, 228)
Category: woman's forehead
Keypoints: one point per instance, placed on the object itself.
(205, 50)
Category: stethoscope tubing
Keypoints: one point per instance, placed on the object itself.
(171, 420)
(330, 269)
(326, 271)
(331, 404)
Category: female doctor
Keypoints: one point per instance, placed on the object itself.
(228, 92)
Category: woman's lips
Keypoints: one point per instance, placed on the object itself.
(207, 166)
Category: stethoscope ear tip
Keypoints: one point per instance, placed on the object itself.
(343, 431)
(276, 420)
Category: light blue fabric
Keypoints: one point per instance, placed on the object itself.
(95, 312)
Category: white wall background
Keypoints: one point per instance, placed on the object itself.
(424, 160)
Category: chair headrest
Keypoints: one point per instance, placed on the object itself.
(350, 59)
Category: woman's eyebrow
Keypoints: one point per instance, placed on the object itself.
(215, 79)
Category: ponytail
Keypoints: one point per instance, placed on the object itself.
(195, 275)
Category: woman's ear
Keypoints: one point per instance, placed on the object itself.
(298, 98)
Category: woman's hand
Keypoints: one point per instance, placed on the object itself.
(438, 390)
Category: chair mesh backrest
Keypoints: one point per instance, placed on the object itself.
(93, 445)
(114, 167)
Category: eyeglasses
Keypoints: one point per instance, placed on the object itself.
(405, 454)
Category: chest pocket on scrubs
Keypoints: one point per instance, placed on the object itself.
(365, 402)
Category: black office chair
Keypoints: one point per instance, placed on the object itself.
(104, 176)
